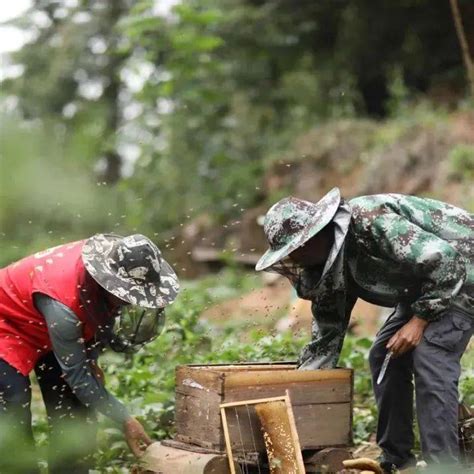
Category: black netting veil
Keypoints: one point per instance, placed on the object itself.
(134, 327)
(303, 278)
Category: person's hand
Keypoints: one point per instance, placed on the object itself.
(407, 337)
(136, 437)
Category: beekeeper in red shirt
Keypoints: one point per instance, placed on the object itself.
(57, 309)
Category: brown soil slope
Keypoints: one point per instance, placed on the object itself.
(431, 155)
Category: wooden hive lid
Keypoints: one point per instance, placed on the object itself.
(217, 377)
(284, 376)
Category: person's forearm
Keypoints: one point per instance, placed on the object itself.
(71, 354)
(92, 393)
(420, 321)
(323, 350)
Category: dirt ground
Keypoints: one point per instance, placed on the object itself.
(275, 306)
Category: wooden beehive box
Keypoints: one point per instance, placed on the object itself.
(321, 400)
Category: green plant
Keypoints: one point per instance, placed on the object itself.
(461, 162)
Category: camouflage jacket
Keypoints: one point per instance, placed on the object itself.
(389, 249)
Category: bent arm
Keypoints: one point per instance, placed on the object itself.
(329, 328)
(66, 336)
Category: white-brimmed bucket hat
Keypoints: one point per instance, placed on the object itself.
(131, 268)
(291, 222)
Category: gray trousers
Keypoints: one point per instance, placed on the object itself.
(435, 367)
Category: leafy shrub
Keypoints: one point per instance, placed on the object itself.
(461, 160)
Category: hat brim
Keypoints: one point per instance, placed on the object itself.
(330, 203)
(96, 258)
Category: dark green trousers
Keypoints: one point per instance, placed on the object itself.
(72, 426)
(432, 372)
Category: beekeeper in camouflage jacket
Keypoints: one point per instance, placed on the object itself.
(411, 253)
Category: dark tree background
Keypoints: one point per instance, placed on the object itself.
(178, 113)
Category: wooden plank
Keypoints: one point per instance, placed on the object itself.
(246, 366)
(227, 441)
(196, 392)
(247, 378)
(252, 401)
(198, 419)
(306, 393)
(322, 426)
(251, 368)
(204, 379)
(294, 434)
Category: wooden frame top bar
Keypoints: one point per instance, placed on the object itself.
(283, 398)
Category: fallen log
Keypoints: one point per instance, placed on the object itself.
(166, 460)
(326, 460)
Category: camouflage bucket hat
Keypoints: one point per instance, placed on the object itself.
(291, 222)
(131, 268)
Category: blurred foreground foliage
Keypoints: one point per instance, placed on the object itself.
(48, 191)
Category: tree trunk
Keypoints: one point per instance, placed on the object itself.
(463, 42)
(113, 160)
